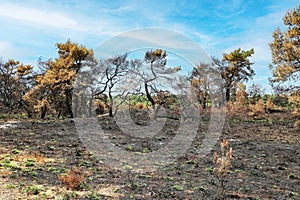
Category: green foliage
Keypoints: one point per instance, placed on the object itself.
(235, 67)
(10, 186)
(30, 162)
(281, 100)
(34, 189)
(15, 151)
(135, 99)
(265, 97)
(178, 187)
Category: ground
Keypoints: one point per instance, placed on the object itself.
(36, 158)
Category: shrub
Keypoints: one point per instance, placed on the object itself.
(294, 99)
(259, 107)
(222, 163)
(281, 100)
(73, 179)
(269, 104)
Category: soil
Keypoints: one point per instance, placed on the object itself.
(36, 158)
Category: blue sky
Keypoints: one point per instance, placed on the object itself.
(30, 29)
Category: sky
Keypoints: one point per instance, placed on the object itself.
(31, 28)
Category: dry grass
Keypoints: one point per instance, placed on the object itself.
(35, 157)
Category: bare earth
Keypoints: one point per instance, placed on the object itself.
(266, 164)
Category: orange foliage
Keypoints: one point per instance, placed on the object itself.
(269, 104)
(74, 178)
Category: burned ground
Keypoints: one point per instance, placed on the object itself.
(35, 155)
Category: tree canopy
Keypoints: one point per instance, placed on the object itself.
(15, 80)
(286, 49)
(286, 57)
(235, 67)
(54, 88)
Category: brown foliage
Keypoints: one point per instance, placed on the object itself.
(74, 178)
(241, 95)
(258, 108)
(285, 49)
(269, 104)
(294, 99)
(222, 162)
(140, 105)
(15, 79)
(54, 87)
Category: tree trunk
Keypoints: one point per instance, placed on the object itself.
(76, 106)
(227, 94)
(44, 111)
(204, 102)
(111, 104)
(149, 97)
(29, 114)
(69, 103)
(69, 108)
(91, 107)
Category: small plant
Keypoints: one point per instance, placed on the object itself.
(128, 169)
(73, 179)
(34, 189)
(129, 147)
(6, 163)
(15, 151)
(94, 196)
(178, 187)
(30, 162)
(10, 186)
(222, 162)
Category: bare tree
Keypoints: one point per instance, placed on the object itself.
(112, 80)
(153, 73)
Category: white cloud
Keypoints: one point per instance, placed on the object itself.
(138, 39)
(37, 16)
(8, 51)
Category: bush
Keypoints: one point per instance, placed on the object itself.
(294, 99)
(73, 179)
(281, 100)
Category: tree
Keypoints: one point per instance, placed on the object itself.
(54, 87)
(286, 57)
(235, 67)
(200, 83)
(255, 92)
(113, 75)
(153, 73)
(241, 94)
(286, 49)
(15, 80)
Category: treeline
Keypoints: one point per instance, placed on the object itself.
(76, 83)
